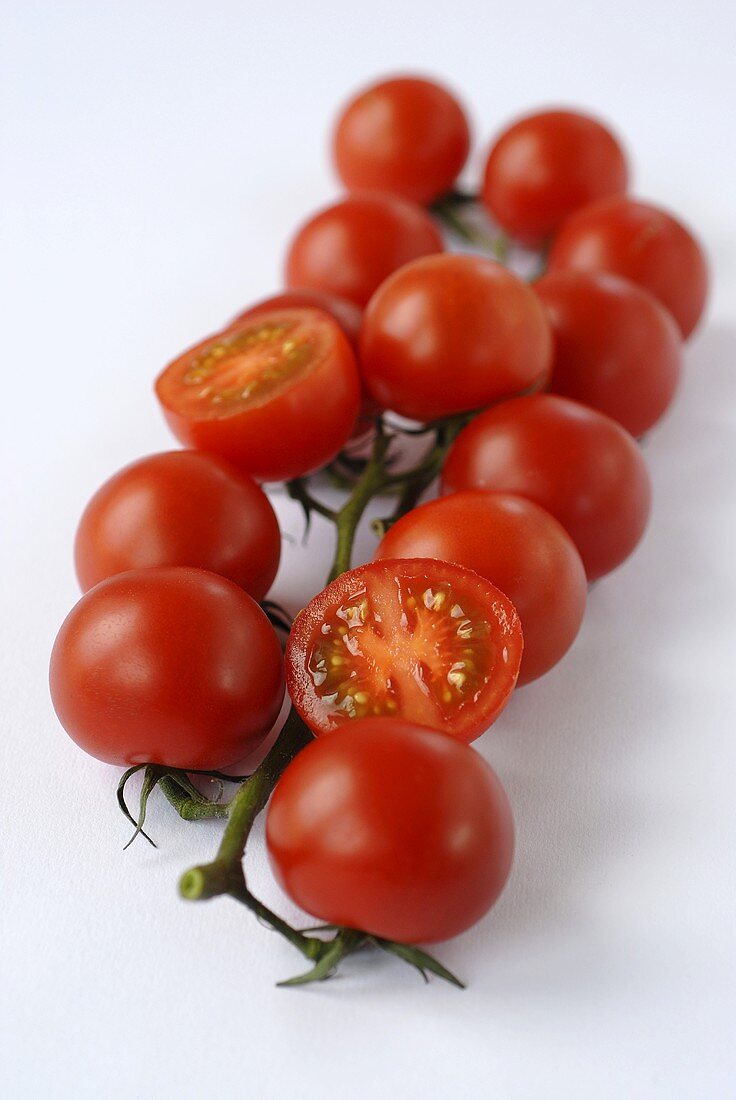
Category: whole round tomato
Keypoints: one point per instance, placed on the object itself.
(348, 316)
(170, 666)
(616, 348)
(515, 545)
(393, 829)
(447, 334)
(277, 394)
(406, 136)
(642, 243)
(180, 508)
(578, 464)
(546, 166)
(424, 640)
(348, 249)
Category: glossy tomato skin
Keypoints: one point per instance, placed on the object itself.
(421, 639)
(547, 165)
(349, 248)
(171, 666)
(406, 136)
(348, 316)
(448, 334)
(393, 829)
(578, 464)
(642, 243)
(180, 508)
(519, 548)
(290, 432)
(616, 348)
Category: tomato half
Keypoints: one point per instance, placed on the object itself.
(515, 545)
(616, 348)
(392, 829)
(348, 316)
(349, 248)
(277, 394)
(417, 639)
(642, 243)
(579, 465)
(547, 165)
(447, 334)
(406, 136)
(169, 666)
(180, 508)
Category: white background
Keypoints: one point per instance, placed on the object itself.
(156, 157)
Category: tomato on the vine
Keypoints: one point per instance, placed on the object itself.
(518, 547)
(180, 508)
(578, 464)
(170, 666)
(425, 640)
(547, 165)
(349, 248)
(278, 394)
(617, 349)
(642, 243)
(448, 334)
(393, 829)
(405, 136)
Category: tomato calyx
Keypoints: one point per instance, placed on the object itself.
(189, 802)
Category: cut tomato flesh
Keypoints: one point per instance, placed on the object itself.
(423, 640)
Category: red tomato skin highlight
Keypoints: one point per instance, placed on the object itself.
(640, 242)
(465, 725)
(170, 666)
(406, 136)
(617, 349)
(349, 248)
(579, 465)
(452, 333)
(519, 548)
(391, 828)
(547, 165)
(293, 434)
(180, 508)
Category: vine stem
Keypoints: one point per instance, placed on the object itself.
(448, 209)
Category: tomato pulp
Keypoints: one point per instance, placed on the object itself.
(423, 640)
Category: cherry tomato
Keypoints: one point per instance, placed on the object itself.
(642, 243)
(418, 639)
(180, 508)
(349, 248)
(277, 394)
(578, 464)
(616, 348)
(392, 829)
(406, 136)
(546, 166)
(515, 545)
(452, 333)
(348, 316)
(169, 666)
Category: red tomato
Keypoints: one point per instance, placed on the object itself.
(546, 166)
(180, 508)
(167, 666)
(642, 243)
(416, 639)
(515, 545)
(349, 248)
(406, 136)
(616, 348)
(579, 465)
(392, 829)
(452, 333)
(348, 316)
(277, 394)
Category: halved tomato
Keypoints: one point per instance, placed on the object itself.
(277, 394)
(417, 638)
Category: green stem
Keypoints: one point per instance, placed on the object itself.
(371, 482)
(448, 208)
(187, 807)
